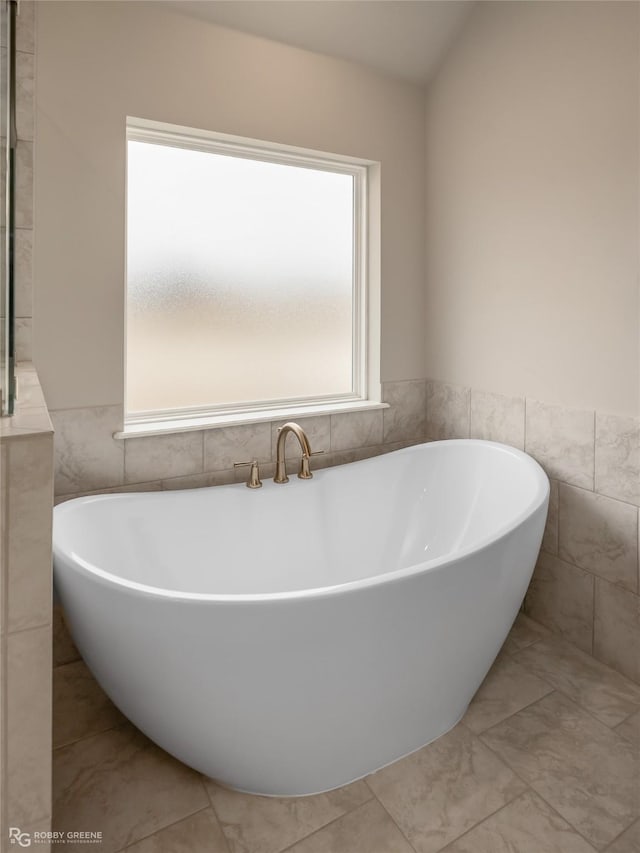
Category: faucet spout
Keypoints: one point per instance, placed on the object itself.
(300, 434)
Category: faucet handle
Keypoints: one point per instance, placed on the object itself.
(305, 472)
(254, 481)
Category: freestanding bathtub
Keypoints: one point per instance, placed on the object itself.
(292, 639)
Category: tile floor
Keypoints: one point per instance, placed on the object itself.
(547, 760)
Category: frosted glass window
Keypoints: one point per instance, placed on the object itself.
(240, 280)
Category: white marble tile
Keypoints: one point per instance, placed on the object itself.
(495, 417)
(582, 768)
(201, 481)
(550, 536)
(270, 824)
(24, 185)
(618, 457)
(351, 430)
(64, 649)
(560, 597)
(447, 410)
(406, 417)
(317, 429)
(616, 637)
(80, 706)
(198, 833)
(29, 506)
(628, 842)
(130, 488)
(25, 26)
(120, 783)
(26, 422)
(599, 534)
(562, 440)
(157, 457)
(507, 688)
(227, 445)
(524, 633)
(87, 455)
(29, 726)
(526, 825)
(23, 243)
(630, 729)
(368, 829)
(604, 693)
(24, 338)
(444, 789)
(24, 94)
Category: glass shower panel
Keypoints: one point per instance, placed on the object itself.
(240, 280)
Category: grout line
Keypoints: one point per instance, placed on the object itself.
(16, 631)
(391, 818)
(124, 724)
(161, 829)
(488, 817)
(331, 822)
(58, 746)
(531, 786)
(559, 690)
(214, 810)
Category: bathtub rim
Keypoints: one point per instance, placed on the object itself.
(102, 576)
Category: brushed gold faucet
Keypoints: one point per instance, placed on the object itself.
(281, 471)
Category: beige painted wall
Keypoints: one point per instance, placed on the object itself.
(532, 205)
(99, 62)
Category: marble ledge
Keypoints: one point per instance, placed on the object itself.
(31, 416)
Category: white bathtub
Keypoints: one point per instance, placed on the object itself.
(292, 639)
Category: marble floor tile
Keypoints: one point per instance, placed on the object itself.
(64, 649)
(524, 632)
(198, 833)
(80, 706)
(120, 783)
(507, 688)
(583, 769)
(441, 791)
(630, 728)
(368, 829)
(270, 824)
(527, 825)
(603, 692)
(628, 842)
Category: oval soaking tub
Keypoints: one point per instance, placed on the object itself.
(292, 639)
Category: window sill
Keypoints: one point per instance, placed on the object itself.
(226, 420)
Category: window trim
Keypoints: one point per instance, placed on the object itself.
(366, 388)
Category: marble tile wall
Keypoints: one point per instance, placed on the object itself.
(586, 583)
(25, 113)
(89, 459)
(26, 448)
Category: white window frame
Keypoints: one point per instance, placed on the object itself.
(366, 389)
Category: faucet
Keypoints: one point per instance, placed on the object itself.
(281, 472)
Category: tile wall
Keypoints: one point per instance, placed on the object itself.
(88, 458)
(26, 448)
(25, 113)
(586, 583)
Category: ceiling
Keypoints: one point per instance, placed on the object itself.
(402, 38)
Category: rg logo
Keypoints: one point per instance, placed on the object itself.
(16, 836)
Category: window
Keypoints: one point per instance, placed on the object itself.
(246, 277)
